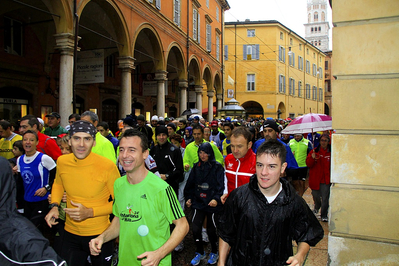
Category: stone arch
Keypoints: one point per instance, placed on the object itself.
(175, 62)
(207, 77)
(281, 110)
(194, 71)
(113, 24)
(147, 49)
(253, 109)
(217, 83)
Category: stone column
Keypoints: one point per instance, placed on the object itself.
(219, 98)
(65, 44)
(183, 85)
(198, 91)
(210, 105)
(161, 77)
(126, 63)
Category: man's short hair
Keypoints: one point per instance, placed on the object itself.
(183, 121)
(242, 131)
(198, 126)
(228, 124)
(5, 124)
(176, 137)
(32, 120)
(137, 133)
(274, 148)
(76, 116)
(93, 116)
(103, 124)
(172, 125)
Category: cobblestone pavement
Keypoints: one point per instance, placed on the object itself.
(317, 255)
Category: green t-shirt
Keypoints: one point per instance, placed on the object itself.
(145, 211)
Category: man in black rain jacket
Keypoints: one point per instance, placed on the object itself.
(260, 219)
(20, 241)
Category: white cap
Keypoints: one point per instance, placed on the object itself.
(154, 117)
(160, 118)
(40, 121)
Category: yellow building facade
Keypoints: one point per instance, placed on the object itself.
(272, 71)
(365, 192)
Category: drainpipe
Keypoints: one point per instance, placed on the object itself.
(75, 55)
(188, 55)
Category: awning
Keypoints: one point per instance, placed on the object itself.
(205, 110)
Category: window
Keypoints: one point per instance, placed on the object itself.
(300, 62)
(250, 33)
(320, 94)
(281, 35)
(291, 58)
(314, 55)
(315, 29)
(250, 82)
(217, 47)
(320, 73)
(314, 70)
(291, 41)
(307, 51)
(300, 47)
(176, 17)
(307, 91)
(291, 86)
(251, 51)
(311, 29)
(319, 28)
(307, 66)
(158, 4)
(299, 88)
(226, 52)
(110, 66)
(208, 37)
(281, 54)
(13, 36)
(207, 3)
(281, 84)
(196, 24)
(316, 16)
(314, 93)
(326, 65)
(217, 14)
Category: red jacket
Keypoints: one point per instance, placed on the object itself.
(48, 145)
(319, 170)
(239, 171)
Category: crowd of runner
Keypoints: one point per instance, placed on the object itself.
(103, 197)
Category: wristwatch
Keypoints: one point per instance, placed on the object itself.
(47, 187)
(166, 176)
(52, 205)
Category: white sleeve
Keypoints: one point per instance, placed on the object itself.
(18, 163)
(225, 183)
(48, 162)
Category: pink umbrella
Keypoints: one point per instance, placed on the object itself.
(309, 123)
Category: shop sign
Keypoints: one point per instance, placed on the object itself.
(13, 101)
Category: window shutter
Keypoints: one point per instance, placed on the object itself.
(195, 24)
(245, 51)
(257, 51)
(158, 4)
(226, 52)
(199, 28)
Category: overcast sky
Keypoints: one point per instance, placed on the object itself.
(290, 13)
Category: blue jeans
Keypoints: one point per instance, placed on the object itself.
(321, 199)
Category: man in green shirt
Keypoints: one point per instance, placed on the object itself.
(54, 129)
(144, 207)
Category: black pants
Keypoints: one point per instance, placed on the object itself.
(36, 211)
(76, 250)
(198, 219)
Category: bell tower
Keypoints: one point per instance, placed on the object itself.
(317, 28)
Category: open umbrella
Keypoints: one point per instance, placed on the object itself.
(190, 111)
(309, 123)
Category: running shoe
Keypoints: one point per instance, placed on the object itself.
(213, 258)
(197, 259)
